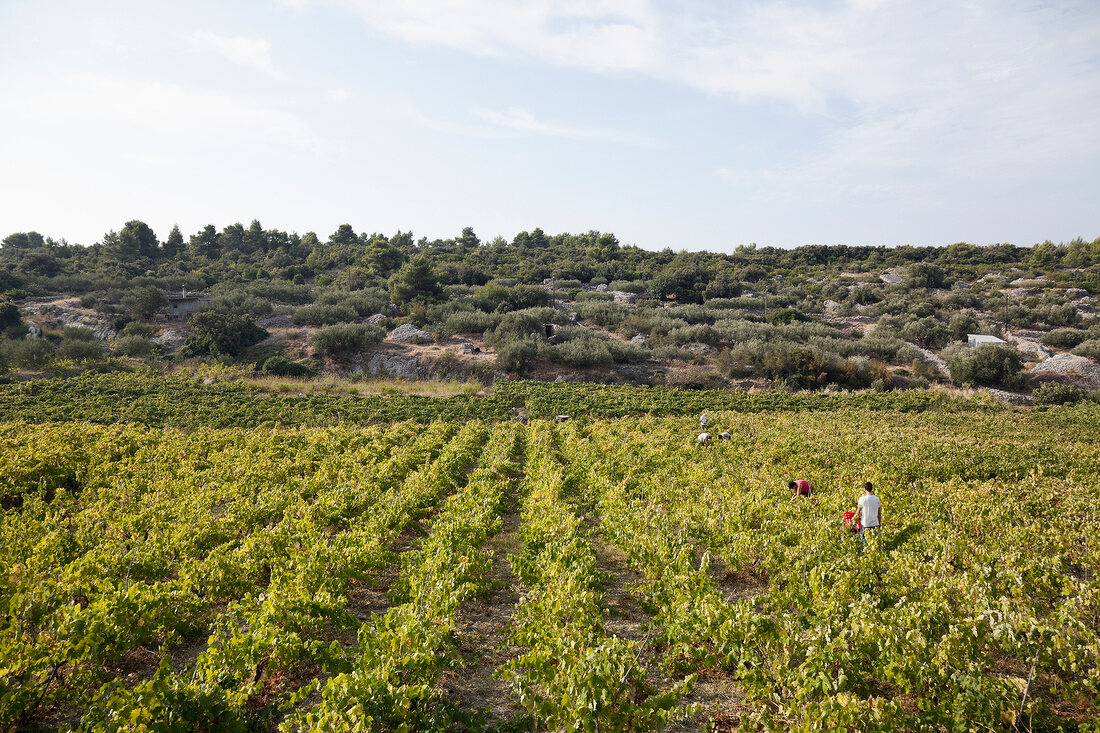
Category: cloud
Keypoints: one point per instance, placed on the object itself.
(175, 116)
(340, 95)
(602, 35)
(522, 120)
(253, 53)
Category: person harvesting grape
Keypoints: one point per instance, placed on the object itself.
(868, 512)
(800, 487)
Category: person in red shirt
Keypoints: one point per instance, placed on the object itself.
(801, 487)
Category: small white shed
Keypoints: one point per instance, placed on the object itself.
(974, 340)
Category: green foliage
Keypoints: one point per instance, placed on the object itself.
(80, 349)
(1065, 338)
(133, 345)
(988, 365)
(925, 275)
(1052, 393)
(928, 333)
(10, 318)
(415, 280)
(341, 341)
(280, 366)
(515, 355)
(325, 314)
(222, 333)
(145, 302)
(1089, 348)
(29, 353)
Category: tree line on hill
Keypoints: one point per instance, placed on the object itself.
(748, 313)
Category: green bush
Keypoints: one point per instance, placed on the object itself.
(989, 365)
(1065, 338)
(280, 366)
(134, 345)
(582, 352)
(471, 322)
(516, 355)
(606, 314)
(30, 353)
(927, 332)
(80, 350)
(77, 333)
(1052, 393)
(341, 340)
(1089, 348)
(325, 314)
(220, 333)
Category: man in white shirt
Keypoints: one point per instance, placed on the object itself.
(868, 512)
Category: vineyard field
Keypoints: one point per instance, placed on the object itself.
(604, 573)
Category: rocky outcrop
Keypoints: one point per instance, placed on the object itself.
(407, 333)
(395, 365)
(170, 340)
(65, 317)
(930, 358)
(376, 319)
(1069, 369)
(1030, 350)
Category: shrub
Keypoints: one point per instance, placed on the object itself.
(1065, 338)
(341, 340)
(471, 322)
(928, 333)
(137, 328)
(961, 324)
(1052, 393)
(134, 345)
(608, 315)
(80, 350)
(323, 314)
(145, 302)
(624, 352)
(280, 366)
(10, 316)
(241, 303)
(77, 333)
(628, 286)
(700, 333)
(582, 352)
(989, 365)
(516, 355)
(31, 353)
(1089, 348)
(222, 333)
(784, 316)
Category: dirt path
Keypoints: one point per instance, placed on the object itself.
(481, 633)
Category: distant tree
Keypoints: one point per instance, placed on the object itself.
(23, 240)
(41, 263)
(205, 243)
(382, 258)
(961, 324)
(136, 239)
(924, 275)
(145, 302)
(928, 333)
(173, 246)
(415, 281)
(344, 234)
(468, 240)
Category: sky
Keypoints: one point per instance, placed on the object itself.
(693, 125)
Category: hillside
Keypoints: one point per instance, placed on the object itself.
(555, 308)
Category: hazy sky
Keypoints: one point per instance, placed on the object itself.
(692, 125)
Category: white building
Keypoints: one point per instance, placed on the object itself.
(974, 340)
